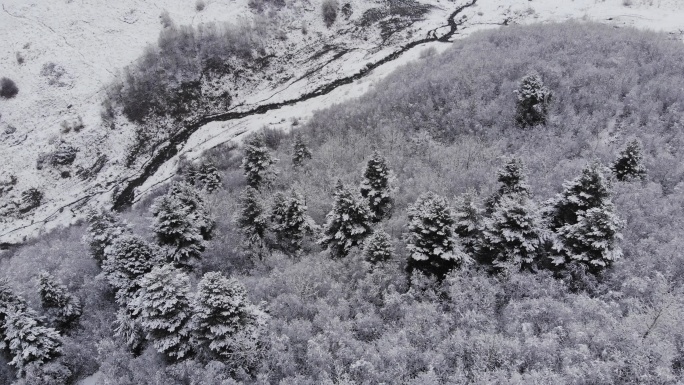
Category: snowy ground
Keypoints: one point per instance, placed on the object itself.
(90, 40)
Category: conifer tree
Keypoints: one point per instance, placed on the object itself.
(375, 187)
(301, 152)
(290, 223)
(584, 220)
(206, 177)
(467, 219)
(251, 218)
(103, 229)
(128, 259)
(589, 190)
(182, 222)
(162, 306)
(378, 248)
(257, 162)
(629, 164)
(63, 308)
(533, 101)
(28, 341)
(511, 236)
(8, 302)
(128, 328)
(512, 181)
(593, 240)
(431, 243)
(348, 223)
(224, 323)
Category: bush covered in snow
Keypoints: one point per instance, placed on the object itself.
(8, 89)
(329, 9)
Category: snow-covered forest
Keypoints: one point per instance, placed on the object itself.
(504, 211)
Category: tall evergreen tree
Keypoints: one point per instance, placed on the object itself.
(103, 229)
(63, 309)
(182, 222)
(257, 162)
(290, 223)
(252, 219)
(378, 248)
(533, 101)
(348, 223)
(467, 220)
(512, 181)
(29, 341)
(301, 152)
(591, 189)
(630, 163)
(128, 259)
(431, 243)
(128, 328)
(511, 236)
(163, 307)
(375, 187)
(224, 323)
(8, 302)
(584, 220)
(593, 240)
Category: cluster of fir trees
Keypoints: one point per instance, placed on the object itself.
(152, 284)
(283, 222)
(31, 339)
(577, 231)
(349, 224)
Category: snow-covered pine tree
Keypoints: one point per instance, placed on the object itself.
(182, 222)
(467, 219)
(376, 189)
(224, 323)
(629, 165)
(289, 221)
(63, 309)
(128, 328)
(205, 177)
(252, 218)
(301, 152)
(593, 240)
(591, 189)
(584, 220)
(8, 302)
(533, 101)
(162, 306)
(28, 340)
(512, 180)
(103, 228)
(257, 162)
(128, 259)
(378, 248)
(348, 223)
(431, 243)
(511, 236)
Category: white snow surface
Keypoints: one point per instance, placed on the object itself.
(91, 380)
(90, 41)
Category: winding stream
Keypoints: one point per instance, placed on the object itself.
(173, 146)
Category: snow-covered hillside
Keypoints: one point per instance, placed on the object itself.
(62, 54)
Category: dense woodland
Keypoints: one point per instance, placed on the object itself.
(506, 212)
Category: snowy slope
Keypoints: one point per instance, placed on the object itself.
(90, 40)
